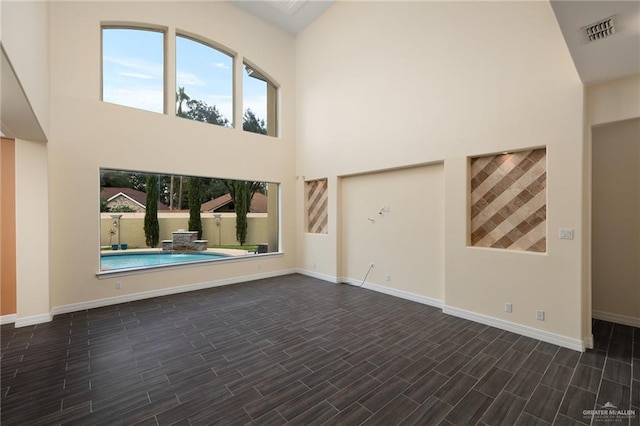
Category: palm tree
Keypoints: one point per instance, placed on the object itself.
(181, 97)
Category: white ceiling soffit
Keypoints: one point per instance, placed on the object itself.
(17, 119)
(606, 58)
(290, 15)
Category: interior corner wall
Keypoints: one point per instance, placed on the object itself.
(614, 100)
(395, 220)
(32, 233)
(615, 223)
(88, 134)
(605, 103)
(480, 78)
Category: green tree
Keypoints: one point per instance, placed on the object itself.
(198, 110)
(121, 179)
(103, 205)
(181, 97)
(195, 201)
(151, 225)
(251, 123)
(241, 194)
(201, 111)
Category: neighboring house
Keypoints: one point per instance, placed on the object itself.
(127, 197)
(224, 204)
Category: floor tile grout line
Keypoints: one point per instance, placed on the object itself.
(602, 374)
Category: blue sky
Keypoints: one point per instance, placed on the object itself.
(133, 73)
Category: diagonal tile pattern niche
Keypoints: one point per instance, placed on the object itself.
(317, 213)
(509, 201)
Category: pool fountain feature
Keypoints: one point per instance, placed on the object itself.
(184, 241)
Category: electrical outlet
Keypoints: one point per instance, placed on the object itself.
(508, 307)
(387, 277)
(118, 285)
(372, 265)
(314, 265)
(540, 315)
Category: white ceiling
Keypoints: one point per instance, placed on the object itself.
(17, 119)
(613, 57)
(290, 15)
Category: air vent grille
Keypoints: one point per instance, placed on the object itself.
(600, 30)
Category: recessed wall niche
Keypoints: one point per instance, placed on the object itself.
(509, 201)
(317, 213)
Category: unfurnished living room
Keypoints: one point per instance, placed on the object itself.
(320, 212)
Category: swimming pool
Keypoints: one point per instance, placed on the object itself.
(142, 260)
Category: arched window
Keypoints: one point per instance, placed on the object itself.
(133, 72)
(204, 82)
(258, 102)
(133, 68)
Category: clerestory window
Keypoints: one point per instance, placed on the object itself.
(204, 82)
(133, 68)
(259, 102)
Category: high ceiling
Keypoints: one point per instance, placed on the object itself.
(615, 56)
(292, 15)
(605, 59)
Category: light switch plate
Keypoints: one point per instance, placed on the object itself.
(566, 234)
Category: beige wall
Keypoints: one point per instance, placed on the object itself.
(32, 232)
(406, 244)
(88, 135)
(616, 221)
(481, 78)
(613, 100)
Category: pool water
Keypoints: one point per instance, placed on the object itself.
(141, 260)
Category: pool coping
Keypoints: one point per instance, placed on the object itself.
(237, 257)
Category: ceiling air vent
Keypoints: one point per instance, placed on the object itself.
(600, 30)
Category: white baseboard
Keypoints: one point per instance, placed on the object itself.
(318, 275)
(588, 341)
(32, 320)
(537, 334)
(98, 303)
(395, 292)
(617, 318)
(546, 336)
(7, 319)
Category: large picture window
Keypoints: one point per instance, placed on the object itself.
(149, 220)
(133, 68)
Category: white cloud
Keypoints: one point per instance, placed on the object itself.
(221, 65)
(135, 65)
(188, 79)
(137, 75)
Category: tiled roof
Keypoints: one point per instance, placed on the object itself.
(133, 194)
(258, 203)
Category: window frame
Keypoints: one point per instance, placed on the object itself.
(110, 25)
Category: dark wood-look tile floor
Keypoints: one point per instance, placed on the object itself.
(297, 350)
